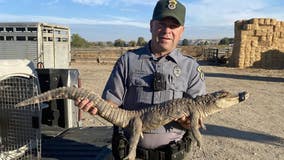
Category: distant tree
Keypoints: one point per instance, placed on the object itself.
(206, 43)
(232, 40)
(141, 41)
(109, 43)
(132, 43)
(119, 43)
(185, 42)
(92, 44)
(78, 41)
(226, 41)
(201, 43)
(101, 44)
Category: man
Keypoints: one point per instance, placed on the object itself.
(153, 74)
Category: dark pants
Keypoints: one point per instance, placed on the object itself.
(172, 151)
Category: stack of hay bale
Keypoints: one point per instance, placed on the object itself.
(259, 42)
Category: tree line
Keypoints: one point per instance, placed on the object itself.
(79, 42)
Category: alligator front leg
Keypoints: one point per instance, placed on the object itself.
(136, 125)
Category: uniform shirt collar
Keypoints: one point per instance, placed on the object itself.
(173, 56)
(147, 53)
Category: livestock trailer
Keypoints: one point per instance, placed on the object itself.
(47, 45)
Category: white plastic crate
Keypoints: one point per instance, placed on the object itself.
(20, 136)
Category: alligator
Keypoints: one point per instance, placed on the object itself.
(148, 118)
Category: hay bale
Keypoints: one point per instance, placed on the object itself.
(254, 41)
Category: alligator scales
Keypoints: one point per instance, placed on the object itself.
(151, 117)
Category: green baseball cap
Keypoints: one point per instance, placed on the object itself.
(169, 8)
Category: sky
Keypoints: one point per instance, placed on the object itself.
(108, 20)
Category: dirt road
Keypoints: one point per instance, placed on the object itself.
(252, 130)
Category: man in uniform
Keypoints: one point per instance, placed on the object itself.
(153, 74)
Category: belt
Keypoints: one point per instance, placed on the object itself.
(150, 154)
(172, 151)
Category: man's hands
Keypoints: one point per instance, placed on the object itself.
(86, 105)
(185, 122)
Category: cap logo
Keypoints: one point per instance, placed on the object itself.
(172, 4)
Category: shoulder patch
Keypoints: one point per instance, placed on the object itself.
(201, 73)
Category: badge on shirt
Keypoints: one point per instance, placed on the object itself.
(200, 73)
(172, 4)
(177, 71)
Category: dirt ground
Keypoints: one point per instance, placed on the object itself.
(251, 130)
